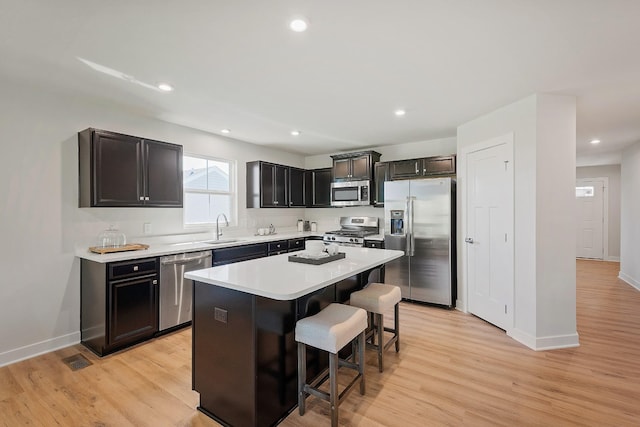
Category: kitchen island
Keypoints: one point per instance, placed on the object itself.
(244, 353)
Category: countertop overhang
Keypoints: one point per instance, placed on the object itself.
(278, 278)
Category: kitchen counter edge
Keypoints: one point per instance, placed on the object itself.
(178, 248)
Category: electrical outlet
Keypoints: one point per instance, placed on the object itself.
(220, 315)
(146, 228)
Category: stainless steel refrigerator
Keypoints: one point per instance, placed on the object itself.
(420, 220)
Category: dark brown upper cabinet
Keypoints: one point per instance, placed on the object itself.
(417, 168)
(380, 174)
(268, 185)
(318, 184)
(297, 188)
(354, 166)
(119, 170)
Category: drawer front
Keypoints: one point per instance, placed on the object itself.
(376, 244)
(140, 267)
(296, 245)
(280, 245)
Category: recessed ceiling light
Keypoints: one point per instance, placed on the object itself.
(295, 132)
(225, 131)
(298, 25)
(595, 141)
(400, 113)
(165, 87)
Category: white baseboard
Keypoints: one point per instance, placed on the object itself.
(545, 343)
(613, 258)
(461, 306)
(628, 279)
(32, 350)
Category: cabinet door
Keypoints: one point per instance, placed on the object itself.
(273, 183)
(297, 194)
(163, 177)
(267, 185)
(117, 170)
(321, 188)
(341, 169)
(380, 175)
(405, 169)
(133, 310)
(442, 165)
(361, 168)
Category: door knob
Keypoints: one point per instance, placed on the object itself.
(469, 240)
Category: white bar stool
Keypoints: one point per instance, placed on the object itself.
(330, 330)
(377, 298)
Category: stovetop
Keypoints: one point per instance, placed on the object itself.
(353, 230)
(352, 233)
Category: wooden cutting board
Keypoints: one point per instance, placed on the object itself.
(128, 247)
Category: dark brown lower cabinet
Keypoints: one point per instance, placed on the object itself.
(119, 303)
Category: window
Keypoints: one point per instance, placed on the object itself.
(584, 192)
(209, 189)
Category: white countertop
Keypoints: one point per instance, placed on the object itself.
(176, 248)
(277, 278)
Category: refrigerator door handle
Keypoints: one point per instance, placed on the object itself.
(409, 222)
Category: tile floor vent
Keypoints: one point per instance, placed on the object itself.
(77, 361)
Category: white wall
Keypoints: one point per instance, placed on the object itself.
(42, 225)
(629, 214)
(612, 172)
(544, 180)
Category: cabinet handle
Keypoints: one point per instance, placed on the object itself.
(141, 197)
(424, 171)
(135, 268)
(275, 202)
(155, 282)
(146, 198)
(417, 170)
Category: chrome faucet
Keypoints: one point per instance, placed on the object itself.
(218, 232)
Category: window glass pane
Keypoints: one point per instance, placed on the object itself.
(196, 208)
(195, 173)
(218, 175)
(219, 203)
(584, 192)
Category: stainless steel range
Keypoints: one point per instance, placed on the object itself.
(353, 230)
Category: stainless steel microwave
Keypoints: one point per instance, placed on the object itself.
(351, 193)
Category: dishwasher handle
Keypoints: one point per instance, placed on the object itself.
(184, 260)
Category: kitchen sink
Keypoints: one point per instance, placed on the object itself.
(221, 241)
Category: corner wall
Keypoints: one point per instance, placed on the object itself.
(544, 172)
(629, 214)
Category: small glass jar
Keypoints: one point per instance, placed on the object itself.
(111, 238)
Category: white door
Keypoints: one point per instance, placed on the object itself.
(489, 229)
(590, 210)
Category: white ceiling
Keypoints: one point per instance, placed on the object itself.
(235, 64)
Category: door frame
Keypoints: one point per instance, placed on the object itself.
(605, 213)
(463, 288)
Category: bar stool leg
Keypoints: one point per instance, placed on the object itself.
(302, 376)
(380, 322)
(396, 325)
(361, 349)
(333, 387)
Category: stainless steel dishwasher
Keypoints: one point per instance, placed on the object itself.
(176, 292)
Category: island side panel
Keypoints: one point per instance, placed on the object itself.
(277, 386)
(224, 356)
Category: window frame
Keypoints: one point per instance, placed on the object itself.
(233, 193)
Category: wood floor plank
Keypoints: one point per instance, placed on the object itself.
(453, 370)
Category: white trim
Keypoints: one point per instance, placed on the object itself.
(629, 280)
(507, 139)
(613, 258)
(544, 343)
(605, 213)
(42, 347)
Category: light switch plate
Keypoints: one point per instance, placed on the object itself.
(146, 228)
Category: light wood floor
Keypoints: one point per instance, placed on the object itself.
(452, 369)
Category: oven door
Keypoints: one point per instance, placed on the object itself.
(354, 193)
